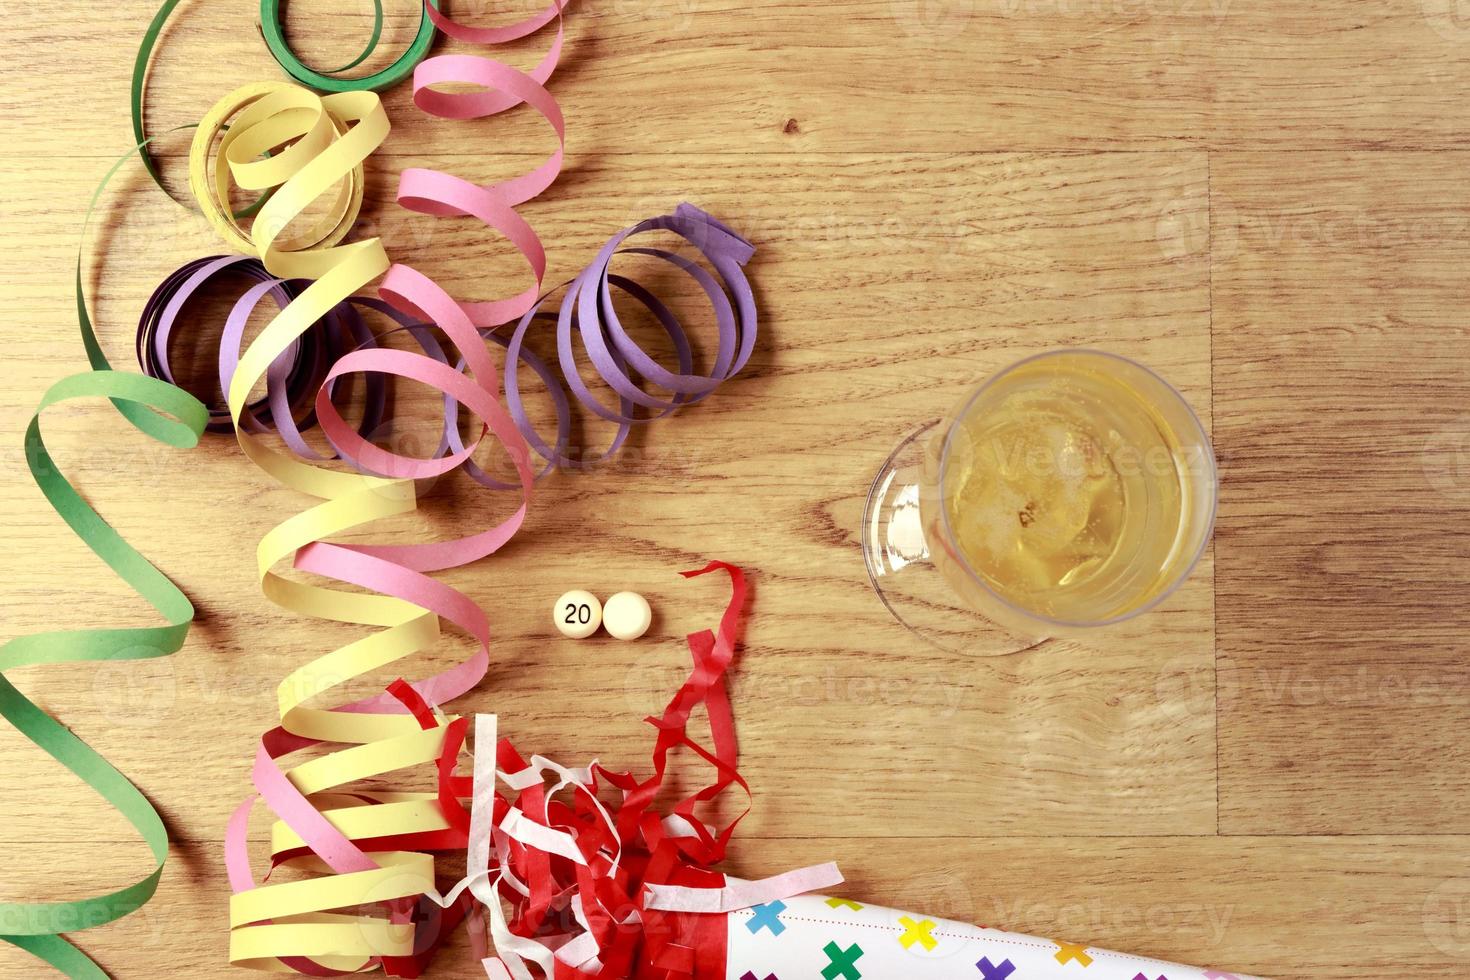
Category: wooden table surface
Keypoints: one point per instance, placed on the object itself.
(1266, 200)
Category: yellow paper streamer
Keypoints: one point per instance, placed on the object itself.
(317, 146)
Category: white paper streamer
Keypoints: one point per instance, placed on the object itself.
(738, 894)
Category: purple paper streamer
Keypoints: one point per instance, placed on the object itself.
(587, 315)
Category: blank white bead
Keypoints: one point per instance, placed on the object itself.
(627, 616)
(577, 614)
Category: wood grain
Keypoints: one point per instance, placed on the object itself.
(856, 75)
(787, 483)
(1343, 529)
(1263, 201)
(1301, 908)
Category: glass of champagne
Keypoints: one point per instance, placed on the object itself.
(1073, 490)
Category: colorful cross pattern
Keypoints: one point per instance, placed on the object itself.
(843, 962)
(767, 917)
(1217, 975)
(1144, 976)
(917, 932)
(1067, 952)
(751, 976)
(989, 970)
(843, 903)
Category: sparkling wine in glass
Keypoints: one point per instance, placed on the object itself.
(1071, 491)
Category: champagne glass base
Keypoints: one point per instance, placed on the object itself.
(903, 575)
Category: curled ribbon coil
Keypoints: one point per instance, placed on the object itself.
(358, 851)
(495, 87)
(587, 325)
(290, 378)
(294, 378)
(482, 87)
(35, 926)
(589, 314)
(173, 417)
(273, 30)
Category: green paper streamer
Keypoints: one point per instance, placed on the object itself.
(372, 44)
(272, 29)
(176, 418)
(140, 73)
(140, 77)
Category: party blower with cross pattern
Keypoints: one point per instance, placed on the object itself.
(813, 936)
